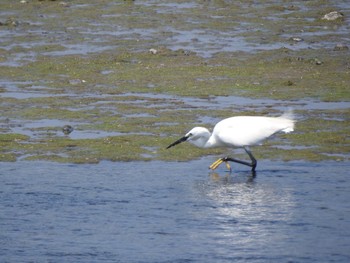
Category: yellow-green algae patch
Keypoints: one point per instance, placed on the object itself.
(11, 146)
(146, 96)
(278, 74)
(283, 75)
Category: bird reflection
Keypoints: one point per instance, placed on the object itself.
(242, 209)
(229, 178)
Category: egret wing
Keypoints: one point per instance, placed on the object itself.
(247, 130)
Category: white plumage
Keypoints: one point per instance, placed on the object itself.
(249, 130)
(239, 131)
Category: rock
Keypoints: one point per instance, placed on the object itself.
(332, 16)
(340, 47)
(10, 22)
(76, 81)
(67, 129)
(153, 51)
(296, 39)
(289, 83)
(317, 61)
(64, 4)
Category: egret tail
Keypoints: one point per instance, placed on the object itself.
(288, 121)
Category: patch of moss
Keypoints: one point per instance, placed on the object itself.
(9, 142)
(122, 87)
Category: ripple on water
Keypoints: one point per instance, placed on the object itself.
(135, 211)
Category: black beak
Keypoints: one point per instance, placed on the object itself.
(183, 139)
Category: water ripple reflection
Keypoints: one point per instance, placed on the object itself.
(173, 212)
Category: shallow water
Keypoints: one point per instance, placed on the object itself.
(174, 212)
(163, 211)
(40, 128)
(184, 31)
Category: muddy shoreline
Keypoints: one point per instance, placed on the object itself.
(130, 76)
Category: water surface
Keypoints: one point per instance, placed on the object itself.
(174, 212)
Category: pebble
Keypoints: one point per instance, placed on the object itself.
(67, 129)
(340, 47)
(76, 81)
(153, 51)
(64, 4)
(332, 16)
(296, 39)
(10, 22)
(317, 61)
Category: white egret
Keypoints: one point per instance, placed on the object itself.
(239, 131)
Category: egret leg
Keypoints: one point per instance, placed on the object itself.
(229, 159)
(254, 162)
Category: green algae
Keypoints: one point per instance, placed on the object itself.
(11, 146)
(144, 96)
(263, 75)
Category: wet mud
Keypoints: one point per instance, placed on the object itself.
(131, 76)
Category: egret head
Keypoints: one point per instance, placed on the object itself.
(197, 136)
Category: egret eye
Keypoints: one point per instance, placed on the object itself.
(189, 135)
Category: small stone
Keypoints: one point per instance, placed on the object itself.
(67, 129)
(153, 51)
(332, 16)
(76, 81)
(296, 39)
(13, 23)
(340, 47)
(289, 83)
(10, 22)
(318, 62)
(64, 4)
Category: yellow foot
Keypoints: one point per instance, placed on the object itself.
(216, 164)
(228, 166)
